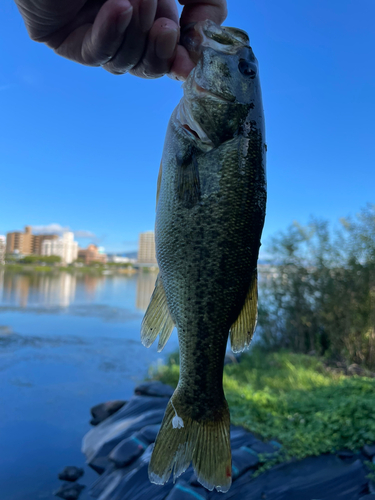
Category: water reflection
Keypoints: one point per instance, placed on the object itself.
(67, 343)
(145, 287)
(46, 290)
(37, 289)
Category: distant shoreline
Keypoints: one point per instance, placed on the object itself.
(97, 269)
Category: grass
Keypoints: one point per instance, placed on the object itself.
(293, 399)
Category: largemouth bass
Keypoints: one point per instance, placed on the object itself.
(211, 206)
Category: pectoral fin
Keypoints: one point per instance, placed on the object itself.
(188, 183)
(243, 328)
(157, 320)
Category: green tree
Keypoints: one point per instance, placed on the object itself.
(319, 293)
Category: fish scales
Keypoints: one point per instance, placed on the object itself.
(210, 215)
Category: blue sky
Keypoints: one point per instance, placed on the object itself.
(81, 148)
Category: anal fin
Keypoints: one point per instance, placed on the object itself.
(243, 328)
(157, 320)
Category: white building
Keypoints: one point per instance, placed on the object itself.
(117, 259)
(64, 247)
(146, 248)
(2, 248)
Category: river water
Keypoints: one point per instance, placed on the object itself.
(67, 342)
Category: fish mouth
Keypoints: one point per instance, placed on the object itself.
(201, 91)
(190, 126)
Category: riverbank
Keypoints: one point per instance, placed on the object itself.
(94, 269)
(120, 447)
(307, 405)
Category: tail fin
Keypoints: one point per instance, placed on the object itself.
(182, 440)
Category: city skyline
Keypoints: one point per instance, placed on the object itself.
(63, 245)
(80, 148)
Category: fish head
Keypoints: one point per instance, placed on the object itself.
(224, 85)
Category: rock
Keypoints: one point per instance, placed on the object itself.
(127, 451)
(130, 483)
(71, 473)
(69, 491)
(243, 460)
(263, 448)
(149, 433)
(102, 444)
(369, 450)
(325, 478)
(104, 410)
(154, 389)
(276, 444)
(345, 454)
(139, 412)
(100, 464)
(240, 437)
(355, 369)
(184, 491)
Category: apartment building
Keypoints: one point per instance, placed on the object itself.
(92, 254)
(64, 247)
(27, 243)
(146, 248)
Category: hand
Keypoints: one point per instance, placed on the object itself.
(135, 36)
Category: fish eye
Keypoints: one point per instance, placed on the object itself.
(247, 68)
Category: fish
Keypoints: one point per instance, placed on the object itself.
(211, 205)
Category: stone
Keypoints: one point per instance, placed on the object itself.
(185, 491)
(355, 369)
(149, 433)
(69, 491)
(102, 411)
(71, 473)
(99, 464)
(102, 444)
(240, 437)
(263, 448)
(325, 477)
(243, 459)
(154, 389)
(345, 454)
(127, 451)
(369, 450)
(130, 483)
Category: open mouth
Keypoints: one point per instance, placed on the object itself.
(203, 91)
(189, 129)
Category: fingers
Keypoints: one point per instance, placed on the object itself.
(104, 38)
(95, 34)
(194, 11)
(135, 38)
(182, 65)
(44, 17)
(160, 51)
(200, 10)
(168, 9)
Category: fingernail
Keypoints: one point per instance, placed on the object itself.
(166, 44)
(147, 13)
(124, 19)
